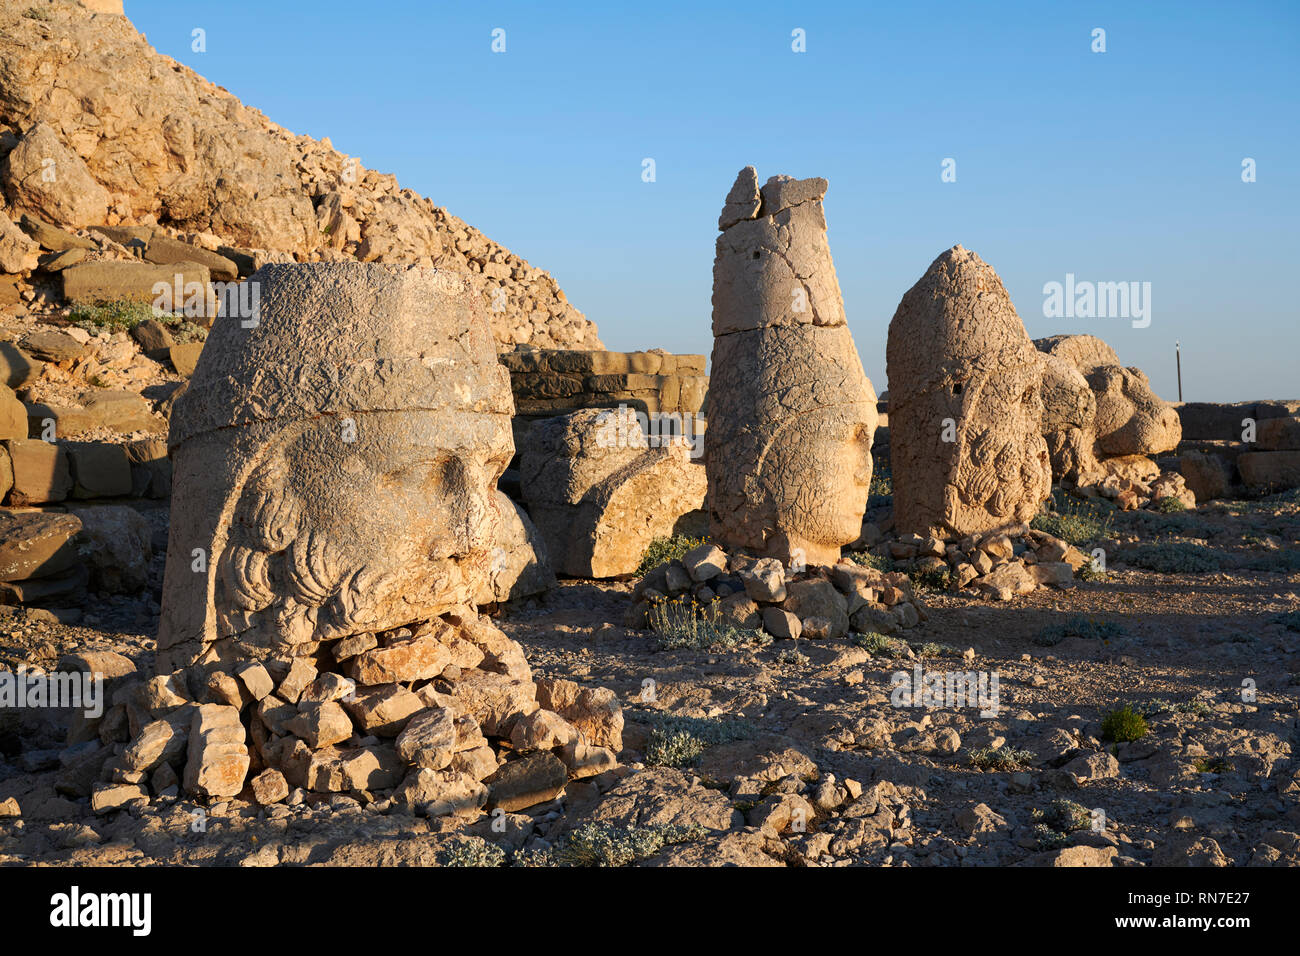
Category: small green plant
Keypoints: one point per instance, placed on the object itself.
(662, 550)
(1045, 838)
(1169, 505)
(1065, 816)
(935, 649)
(1196, 707)
(877, 562)
(1123, 725)
(878, 645)
(1078, 626)
(685, 623)
(119, 316)
(603, 844)
(470, 851)
(1090, 571)
(881, 492)
(1073, 520)
(1000, 758)
(673, 748)
(931, 579)
(36, 13)
(791, 655)
(1212, 765)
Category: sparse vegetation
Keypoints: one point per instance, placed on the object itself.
(878, 645)
(1000, 758)
(791, 655)
(1073, 520)
(673, 748)
(1212, 765)
(685, 623)
(868, 560)
(113, 316)
(470, 851)
(1079, 626)
(1123, 725)
(1176, 557)
(1169, 505)
(677, 741)
(662, 550)
(930, 579)
(935, 649)
(601, 844)
(1064, 816)
(36, 13)
(1153, 708)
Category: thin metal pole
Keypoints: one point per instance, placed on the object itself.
(1178, 358)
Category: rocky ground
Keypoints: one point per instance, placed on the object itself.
(792, 753)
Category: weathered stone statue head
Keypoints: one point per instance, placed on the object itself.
(965, 407)
(791, 413)
(1131, 418)
(335, 464)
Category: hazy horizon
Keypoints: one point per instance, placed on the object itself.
(1117, 167)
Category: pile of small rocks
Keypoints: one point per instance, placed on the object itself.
(753, 593)
(443, 718)
(1000, 564)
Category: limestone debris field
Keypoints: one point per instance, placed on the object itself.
(331, 534)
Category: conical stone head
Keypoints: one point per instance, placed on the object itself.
(791, 413)
(965, 406)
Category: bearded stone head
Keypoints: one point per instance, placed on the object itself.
(335, 463)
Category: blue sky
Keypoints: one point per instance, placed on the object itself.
(1115, 166)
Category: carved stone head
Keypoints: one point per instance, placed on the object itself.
(965, 406)
(335, 464)
(791, 413)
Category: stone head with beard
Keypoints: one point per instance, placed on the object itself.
(965, 405)
(335, 459)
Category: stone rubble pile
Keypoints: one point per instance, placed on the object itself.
(999, 564)
(760, 593)
(445, 717)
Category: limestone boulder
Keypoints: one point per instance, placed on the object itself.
(1131, 418)
(116, 544)
(35, 544)
(520, 561)
(1207, 476)
(43, 176)
(17, 252)
(1270, 470)
(965, 406)
(599, 494)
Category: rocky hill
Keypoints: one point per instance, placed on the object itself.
(139, 139)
